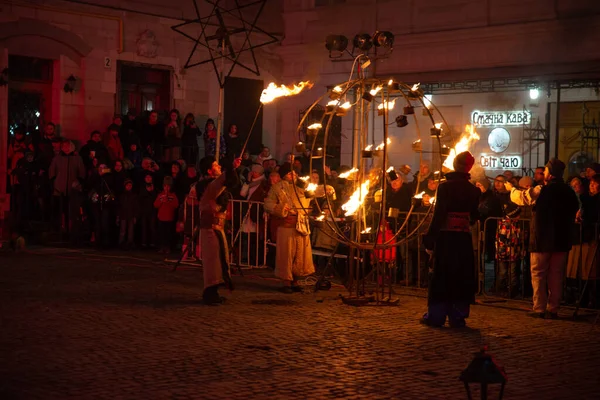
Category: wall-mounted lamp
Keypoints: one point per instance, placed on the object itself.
(70, 84)
(4, 77)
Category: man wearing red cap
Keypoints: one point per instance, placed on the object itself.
(454, 279)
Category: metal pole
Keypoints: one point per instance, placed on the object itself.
(221, 94)
(557, 128)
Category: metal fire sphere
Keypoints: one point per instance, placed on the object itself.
(364, 205)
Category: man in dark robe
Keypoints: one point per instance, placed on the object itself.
(215, 252)
(454, 279)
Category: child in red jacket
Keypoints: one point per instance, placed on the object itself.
(167, 205)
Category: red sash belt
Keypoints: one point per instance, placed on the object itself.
(457, 222)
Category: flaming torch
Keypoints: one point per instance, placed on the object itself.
(356, 199)
(346, 175)
(267, 96)
(463, 144)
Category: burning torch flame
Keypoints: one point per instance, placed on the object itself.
(348, 173)
(417, 141)
(337, 89)
(304, 178)
(369, 147)
(390, 169)
(387, 105)
(273, 91)
(345, 106)
(357, 199)
(311, 187)
(380, 147)
(419, 196)
(415, 87)
(320, 218)
(466, 140)
(316, 125)
(438, 125)
(376, 90)
(390, 82)
(367, 230)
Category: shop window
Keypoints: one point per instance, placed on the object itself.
(29, 69)
(143, 89)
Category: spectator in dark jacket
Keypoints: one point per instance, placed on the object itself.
(189, 140)
(127, 215)
(551, 228)
(94, 149)
(66, 168)
(167, 204)
(147, 212)
(134, 154)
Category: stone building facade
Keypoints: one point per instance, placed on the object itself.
(435, 41)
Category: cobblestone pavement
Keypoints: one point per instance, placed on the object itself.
(101, 326)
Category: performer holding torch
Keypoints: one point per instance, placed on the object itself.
(215, 256)
(454, 280)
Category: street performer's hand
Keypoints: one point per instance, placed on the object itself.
(237, 162)
(508, 186)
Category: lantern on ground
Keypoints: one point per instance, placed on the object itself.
(483, 371)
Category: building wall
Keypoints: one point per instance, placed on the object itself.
(442, 41)
(83, 39)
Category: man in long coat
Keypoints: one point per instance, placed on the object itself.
(294, 255)
(555, 206)
(215, 253)
(454, 280)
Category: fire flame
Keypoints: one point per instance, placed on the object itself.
(419, 196)
(387, 105)
(390, 82)
(337, 89)
(465, 141)
(380, 147)
(369, 147)
(316, 125)
(345, 106)
(375, 90)
(311, 187)
(417, 141)
(348, 173)
(304, 178)
(438, 125)
(390, 169)
(320, 218)
(427, 100)
(415, 87)
(273, 91)
(357, 199)
(366, 230)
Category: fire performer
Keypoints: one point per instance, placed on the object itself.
(294, 255)
(215, 255)
(454, 280)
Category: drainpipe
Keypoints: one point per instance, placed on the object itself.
(118, 20)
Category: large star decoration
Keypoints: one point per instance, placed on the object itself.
(220, 40)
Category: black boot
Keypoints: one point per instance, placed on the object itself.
(211, 297)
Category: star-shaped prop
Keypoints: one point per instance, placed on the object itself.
(219, 44)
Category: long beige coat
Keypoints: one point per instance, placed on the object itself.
(215, 253)
(294, 254)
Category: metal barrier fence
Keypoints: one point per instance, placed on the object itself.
(249, 233)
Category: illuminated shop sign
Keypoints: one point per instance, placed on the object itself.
(491, 118)
(494, 161)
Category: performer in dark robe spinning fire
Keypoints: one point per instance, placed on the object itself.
(454, 280)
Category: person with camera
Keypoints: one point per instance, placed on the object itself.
(213, 210)
(103, 204)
